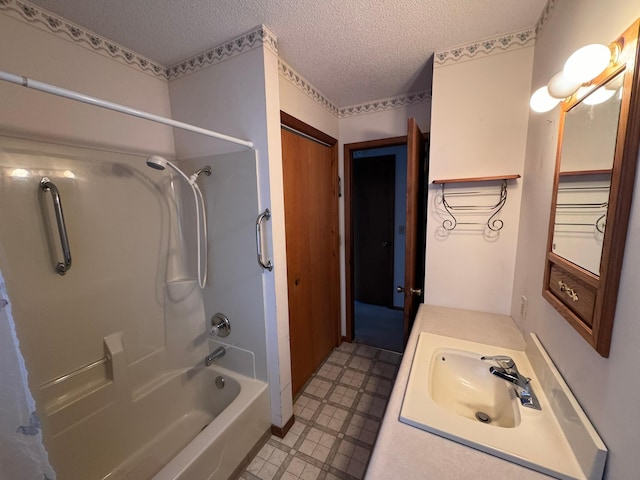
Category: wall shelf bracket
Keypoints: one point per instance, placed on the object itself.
(467, 208)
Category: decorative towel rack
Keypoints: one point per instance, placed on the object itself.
(453, 209)
(585, 207)
(583, 202)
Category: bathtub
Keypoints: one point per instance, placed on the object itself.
(210, 438)
(216, 452)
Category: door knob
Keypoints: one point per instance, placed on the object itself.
(412, 291)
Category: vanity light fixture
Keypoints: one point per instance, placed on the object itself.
(541, 101)
(581, 67)
(561, 87)
(587, 63)
(599, 96)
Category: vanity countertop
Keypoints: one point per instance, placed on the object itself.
(406, 452)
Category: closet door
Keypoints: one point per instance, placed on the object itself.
(310, 173)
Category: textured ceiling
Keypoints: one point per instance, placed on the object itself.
(351, 50)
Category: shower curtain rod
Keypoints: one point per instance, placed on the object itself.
(97, 102)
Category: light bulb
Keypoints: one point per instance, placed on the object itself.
(587, 62)
(542, 102)
(599, 96)
(561, 87)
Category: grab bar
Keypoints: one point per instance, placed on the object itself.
(266, 215)
(47, 186)
(75, 373)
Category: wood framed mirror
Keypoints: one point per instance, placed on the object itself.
(593, 186)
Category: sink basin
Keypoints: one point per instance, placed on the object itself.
(461, 383)
(451, 392)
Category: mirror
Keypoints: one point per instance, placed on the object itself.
(593, 185)
(586, 158)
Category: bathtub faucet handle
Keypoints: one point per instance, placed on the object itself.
(220, 325)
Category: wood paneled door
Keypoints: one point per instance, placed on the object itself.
(310, 174)
(415, 225)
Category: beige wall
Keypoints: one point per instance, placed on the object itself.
(41, 55)
(297, 103)
(607, 389)
(479, 121)
(240, 97)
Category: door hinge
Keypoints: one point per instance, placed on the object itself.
(339, 187)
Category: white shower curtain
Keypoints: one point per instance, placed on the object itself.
(22, 454)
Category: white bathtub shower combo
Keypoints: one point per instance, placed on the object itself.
(111, 308)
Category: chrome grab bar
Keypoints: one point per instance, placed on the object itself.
(75, 373)
(266, 215)
(47, 186)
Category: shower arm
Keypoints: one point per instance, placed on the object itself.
(97, 102)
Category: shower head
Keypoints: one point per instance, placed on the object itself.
(157, 162)
(160, 163)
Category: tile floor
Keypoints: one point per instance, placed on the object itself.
(338, 415)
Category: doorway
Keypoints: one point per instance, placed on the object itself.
(379, 179)
(410, 288)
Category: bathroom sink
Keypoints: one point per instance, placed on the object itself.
(461, 383)
(452, 392)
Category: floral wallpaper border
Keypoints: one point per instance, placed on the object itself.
(303, 84)
(372, 106)
(384, 104)
(62, 27)
(488, 46)
(259, 36)
(47, 21)
(544, 16)
(500, 43)
(26, 11)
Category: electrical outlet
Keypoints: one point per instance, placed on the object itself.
(523, 308)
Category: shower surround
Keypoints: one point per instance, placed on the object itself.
(114, 348)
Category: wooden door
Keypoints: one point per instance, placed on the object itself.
(373, 224)
(310, 174)
(414, 240)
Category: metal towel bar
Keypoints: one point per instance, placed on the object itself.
(266, 215)
(47, 186)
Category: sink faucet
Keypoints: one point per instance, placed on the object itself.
(213, 356)
(507, 370)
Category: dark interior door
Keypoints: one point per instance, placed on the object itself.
(310, 175)
(373, 203)
(415, 225)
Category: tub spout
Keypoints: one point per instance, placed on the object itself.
(213, 356)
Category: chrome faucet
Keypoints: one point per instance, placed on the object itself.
(213, 356)
(507, 370)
